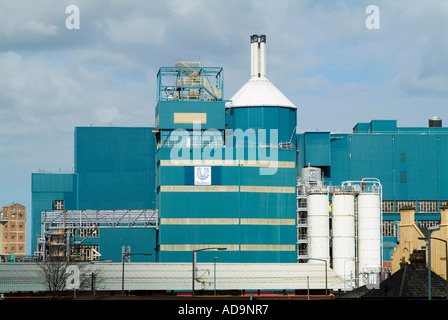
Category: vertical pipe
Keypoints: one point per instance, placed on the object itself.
(258, 56)
(253, 56)
(262, 62)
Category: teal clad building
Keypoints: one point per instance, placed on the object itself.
(223, 173)
(410, 163)
(221, 184)
(114, 170)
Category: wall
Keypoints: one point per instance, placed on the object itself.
(45, 189)
(250, 214)
(13, 232)
(411, 164)
(115, 167)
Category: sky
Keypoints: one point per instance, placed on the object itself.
(323, 55)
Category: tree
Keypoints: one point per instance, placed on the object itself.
(60, 276)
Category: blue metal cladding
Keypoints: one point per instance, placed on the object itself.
(277, 118)
(251, 240)
(229, 205)
(45, 189)
(411, 164)
(116, 167)
(214, 110)
(317, 149)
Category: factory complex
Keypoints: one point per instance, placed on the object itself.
(229, 194)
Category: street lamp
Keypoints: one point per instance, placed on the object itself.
(430, 229)
(326, 277)
(446, 259)
(446, 263)
(214, 275)
(194, 259)
(128, 254)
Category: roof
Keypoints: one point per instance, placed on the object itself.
(259, 92)
(178, 276)
(13, 204)
(408, 282)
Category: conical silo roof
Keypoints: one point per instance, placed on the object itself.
(259, 91)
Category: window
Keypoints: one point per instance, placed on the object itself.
(389, 228)
(403, 177)
(88, 230)
(58, 204)
(402, 157)
(428, 206)
(388, 206)
(427, 223)
(401, 204)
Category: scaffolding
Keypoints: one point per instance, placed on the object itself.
(63, 231)
(190, 81)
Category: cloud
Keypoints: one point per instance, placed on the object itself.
(413, 83)
(319, 54)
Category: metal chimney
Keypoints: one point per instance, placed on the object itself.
(435, 122)
(258, 56)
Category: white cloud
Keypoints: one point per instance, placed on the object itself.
(319, 53)
(411, 82)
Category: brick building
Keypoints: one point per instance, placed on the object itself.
(12, 229)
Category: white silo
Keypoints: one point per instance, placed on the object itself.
(343, 228)
(369, 235)
(318, 227)
(311, 176)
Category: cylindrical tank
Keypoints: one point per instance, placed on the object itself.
(259, 104)
(343, 227)
(318, 227)
(435, 122)
(311, 176)
(369, 232)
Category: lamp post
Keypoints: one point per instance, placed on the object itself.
(194, 259)
(430, 229)
(128, 254)
(351, 285)
(446, 259)
(446, 263)
(214, 275)
(326, 290)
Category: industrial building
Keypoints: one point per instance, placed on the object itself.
(12, 231)
(236, 175)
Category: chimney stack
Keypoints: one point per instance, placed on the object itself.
(435, 122)
(258, 57)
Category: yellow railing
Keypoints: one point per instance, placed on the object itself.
(193, 77)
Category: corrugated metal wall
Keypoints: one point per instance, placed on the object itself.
(115, 167)
(411, 164)
(45, 189)
(251, 214)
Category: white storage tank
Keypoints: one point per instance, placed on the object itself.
(311, 176)
(369, 234)
(343, 227)
(318, 227)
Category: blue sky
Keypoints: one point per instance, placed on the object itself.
(319, 54)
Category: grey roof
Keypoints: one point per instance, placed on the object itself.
(408, 282)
